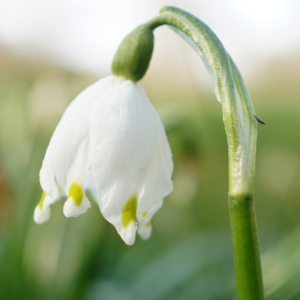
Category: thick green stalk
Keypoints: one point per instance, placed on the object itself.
(245, 248)
(241, 130)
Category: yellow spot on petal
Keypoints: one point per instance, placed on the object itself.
(129, 211)
(144, 214)
(40, 205)
(148, 224)
(76, 193)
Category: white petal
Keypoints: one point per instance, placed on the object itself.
(49, 200)
(48, 182)
(157, 183)
(144, 220)
(127, 234)
(145, 230)
(67, 158)
(79, 166)
(72, 210)
(42, 211)
(125, 140)
(40, 216)
(77, 202)
(90, 185)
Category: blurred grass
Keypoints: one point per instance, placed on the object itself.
(189, 255)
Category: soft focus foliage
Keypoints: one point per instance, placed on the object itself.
(189, 253)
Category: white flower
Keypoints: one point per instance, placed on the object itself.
(111, 141)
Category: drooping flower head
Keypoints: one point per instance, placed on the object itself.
(111, 141)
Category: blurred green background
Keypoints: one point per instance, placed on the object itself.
(189, 254)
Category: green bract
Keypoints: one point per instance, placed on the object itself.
(134, 54)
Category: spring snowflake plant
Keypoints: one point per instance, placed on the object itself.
(111, 141)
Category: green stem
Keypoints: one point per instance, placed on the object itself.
(245, 248)
(241, 130)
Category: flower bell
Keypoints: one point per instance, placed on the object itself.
(111, 141)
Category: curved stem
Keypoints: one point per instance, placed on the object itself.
(241, 130)
(238, 111)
